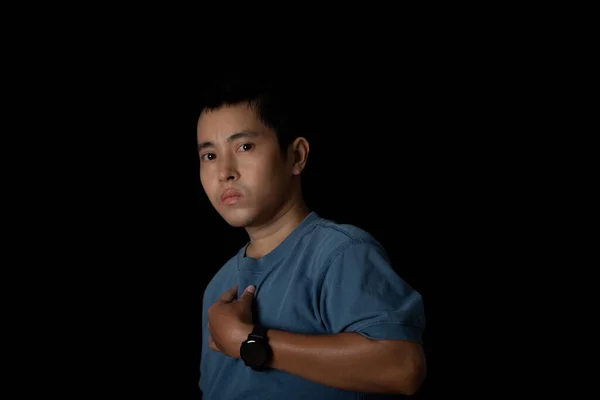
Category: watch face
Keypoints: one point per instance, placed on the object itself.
(254, 352)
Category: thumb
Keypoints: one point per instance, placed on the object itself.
(248, 294)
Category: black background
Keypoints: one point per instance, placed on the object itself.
(397, 154)
(385, 156)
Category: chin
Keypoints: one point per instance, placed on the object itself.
(236, 223)
(237, 218)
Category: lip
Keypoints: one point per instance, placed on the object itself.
(230, 196)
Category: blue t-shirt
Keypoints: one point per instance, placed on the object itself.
(324, 278)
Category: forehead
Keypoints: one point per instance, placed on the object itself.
(227, 120)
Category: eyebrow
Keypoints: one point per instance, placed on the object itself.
(231, 138)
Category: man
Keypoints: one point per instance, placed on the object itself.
(308, 308)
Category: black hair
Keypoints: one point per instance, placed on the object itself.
(271, 99)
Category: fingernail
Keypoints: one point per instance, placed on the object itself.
(250, 289)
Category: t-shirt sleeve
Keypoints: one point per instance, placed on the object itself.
(362, 293)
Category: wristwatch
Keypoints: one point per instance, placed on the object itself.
(255, 351)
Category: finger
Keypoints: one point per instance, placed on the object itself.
(229, 295)
(248, 294)
(212, 345)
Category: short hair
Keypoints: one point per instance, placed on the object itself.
(271, 99)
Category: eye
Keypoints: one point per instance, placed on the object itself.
(208, 157)
(246, 147)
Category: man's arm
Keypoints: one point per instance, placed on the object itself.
(350, 361)
(360, 292)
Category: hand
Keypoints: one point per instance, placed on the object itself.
(230, 321)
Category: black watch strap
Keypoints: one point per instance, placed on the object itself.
(259, 331)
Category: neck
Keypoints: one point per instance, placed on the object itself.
(267, 236)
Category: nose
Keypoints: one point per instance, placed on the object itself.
(228, 169)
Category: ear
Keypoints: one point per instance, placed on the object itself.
(298, 152)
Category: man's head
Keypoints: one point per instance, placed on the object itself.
(251, 153)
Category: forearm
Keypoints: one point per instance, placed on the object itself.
(346, 361)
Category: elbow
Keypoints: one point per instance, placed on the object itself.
(410, 378)
(411, 388)
(411, 383)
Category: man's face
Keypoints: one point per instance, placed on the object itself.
(241, 168)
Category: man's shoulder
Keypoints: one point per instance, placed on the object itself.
(223, 278)
(335, 235)
(329, 238)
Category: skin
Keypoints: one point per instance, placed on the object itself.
(238, 151)
(272, 204)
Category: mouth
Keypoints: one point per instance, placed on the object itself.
(231, 196)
